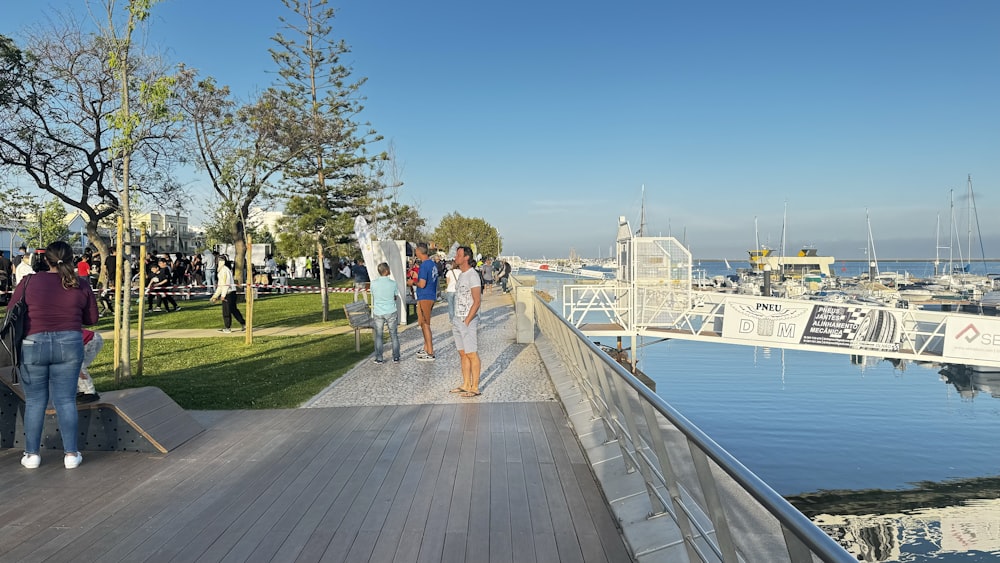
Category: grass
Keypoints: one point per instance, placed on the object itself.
(224, 373)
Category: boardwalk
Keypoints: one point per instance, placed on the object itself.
(385, 466)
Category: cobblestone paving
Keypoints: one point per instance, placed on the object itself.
(511, 372)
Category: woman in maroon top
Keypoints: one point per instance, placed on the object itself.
(59, 304)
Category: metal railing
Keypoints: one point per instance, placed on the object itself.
(718, 504)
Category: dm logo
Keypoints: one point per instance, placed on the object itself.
(969, 333)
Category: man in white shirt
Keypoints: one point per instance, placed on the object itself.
(23, 269)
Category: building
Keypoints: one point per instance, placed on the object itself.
(169, 232)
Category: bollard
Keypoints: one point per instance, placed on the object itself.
(524, 314)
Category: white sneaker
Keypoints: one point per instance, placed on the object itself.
(73, 461)
(31, 461)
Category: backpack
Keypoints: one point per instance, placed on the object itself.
(14, 324)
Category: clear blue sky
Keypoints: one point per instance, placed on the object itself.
(545, 118)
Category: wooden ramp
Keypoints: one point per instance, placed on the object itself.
(143, 419)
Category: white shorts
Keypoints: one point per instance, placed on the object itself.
(466, 337)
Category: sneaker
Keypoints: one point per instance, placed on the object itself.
(157, 309)
(31, 461)
(225, 330)
(241, 329)
(425, 357)
(177, 309)
(378, 361)
(84, 398)
(73, 461)
(395, 360)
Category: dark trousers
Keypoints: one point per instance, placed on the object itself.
(229, 311)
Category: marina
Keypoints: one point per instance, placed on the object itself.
(888, 453)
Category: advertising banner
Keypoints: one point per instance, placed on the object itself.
(972, 338)
(763, 321)
(758, 320)
(855, 327)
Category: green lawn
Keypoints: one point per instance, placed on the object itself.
(224, 373)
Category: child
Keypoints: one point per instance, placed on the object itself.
(92, 344)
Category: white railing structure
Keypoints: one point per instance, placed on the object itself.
(652, 296)
(687, 475)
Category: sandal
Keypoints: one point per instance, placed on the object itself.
(470, 394)
(458, 390)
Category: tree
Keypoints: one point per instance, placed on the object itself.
(468, 231)
(48, 224)
(134, 129)
(330, 172)
(241, 148)
(403, 222)
(57, 106)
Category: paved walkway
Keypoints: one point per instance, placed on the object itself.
(511, 372)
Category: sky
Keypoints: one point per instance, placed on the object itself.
(733, 121)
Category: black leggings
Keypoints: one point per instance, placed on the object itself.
(229, 311)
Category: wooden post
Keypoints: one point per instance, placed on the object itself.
(142, 296)
(119, 249)
(248, 337)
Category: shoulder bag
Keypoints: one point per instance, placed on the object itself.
(14, 324)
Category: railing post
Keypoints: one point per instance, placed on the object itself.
(624, 405)
(713, 503)
(670, 481)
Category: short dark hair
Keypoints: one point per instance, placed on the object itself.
(465, 250)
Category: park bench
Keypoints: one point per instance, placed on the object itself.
(359, 315)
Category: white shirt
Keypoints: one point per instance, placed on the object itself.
(23, 269)
(467, 281)
(452, 278)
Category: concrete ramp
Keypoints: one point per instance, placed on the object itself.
(143, 419)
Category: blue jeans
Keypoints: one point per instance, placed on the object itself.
(378, 322)
(450, 298)
(51, 365)
(210, 279)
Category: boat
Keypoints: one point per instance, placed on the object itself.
(806, 262)
(916, 294)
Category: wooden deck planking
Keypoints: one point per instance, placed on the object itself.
(569, 460)
(466, 482)
(282, 518)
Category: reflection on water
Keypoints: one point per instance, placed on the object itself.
(897, 461)
(967, 531)
(970, 381)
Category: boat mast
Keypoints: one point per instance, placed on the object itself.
(937, 244)
(756, 241)
(642, 213)
(951, 235)
(969, 263)
(979, 232)
(781, 259)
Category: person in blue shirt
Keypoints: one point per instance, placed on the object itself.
(426, 286)
(385, 311)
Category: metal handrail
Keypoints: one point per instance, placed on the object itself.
(607, 385)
